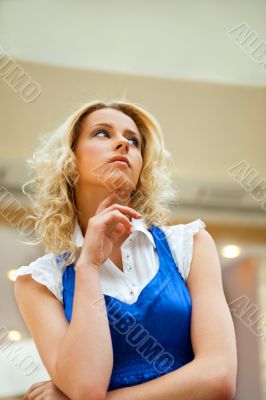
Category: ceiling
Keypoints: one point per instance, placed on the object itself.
(185, 40)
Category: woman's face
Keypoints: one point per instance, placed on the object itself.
(107, 133)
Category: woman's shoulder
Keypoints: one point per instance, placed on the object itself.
(45, 270)
(180, 240)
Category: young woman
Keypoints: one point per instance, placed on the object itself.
(122, 305)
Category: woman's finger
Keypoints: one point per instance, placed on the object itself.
(117, 232)
(32, 388)
(40, 397)
(111, 219)
(36, 392)
(38, 388)
(106, 202)
(124, 209)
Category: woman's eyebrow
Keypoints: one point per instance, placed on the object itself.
(111, 126)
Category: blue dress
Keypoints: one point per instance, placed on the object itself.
(150, 337)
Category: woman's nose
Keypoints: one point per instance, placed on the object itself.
(121, 142)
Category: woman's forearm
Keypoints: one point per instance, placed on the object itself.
(85, 358)
(197, 380)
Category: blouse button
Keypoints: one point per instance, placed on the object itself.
(129, 268)
(131, 292)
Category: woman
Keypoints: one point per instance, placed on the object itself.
(112, 315)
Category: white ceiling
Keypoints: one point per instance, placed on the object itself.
(170, 39)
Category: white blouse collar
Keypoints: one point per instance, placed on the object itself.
(137, 225)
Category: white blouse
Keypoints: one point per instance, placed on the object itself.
(139, 257)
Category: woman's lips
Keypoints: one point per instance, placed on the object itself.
(119, 162)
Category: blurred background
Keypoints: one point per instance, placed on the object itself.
(200, 68)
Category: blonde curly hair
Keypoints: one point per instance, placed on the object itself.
(54, 211)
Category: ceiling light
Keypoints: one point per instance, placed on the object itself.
(230, 251)
(14, 336)
(10, 275)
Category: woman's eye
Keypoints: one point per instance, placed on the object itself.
(136, 141)
(105, 132)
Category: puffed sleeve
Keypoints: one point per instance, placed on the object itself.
(189, 231)
(180, 240)
(46, 271)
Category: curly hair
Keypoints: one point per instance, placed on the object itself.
(53, 208)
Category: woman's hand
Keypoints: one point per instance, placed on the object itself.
(104, 229)
(45, 390)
